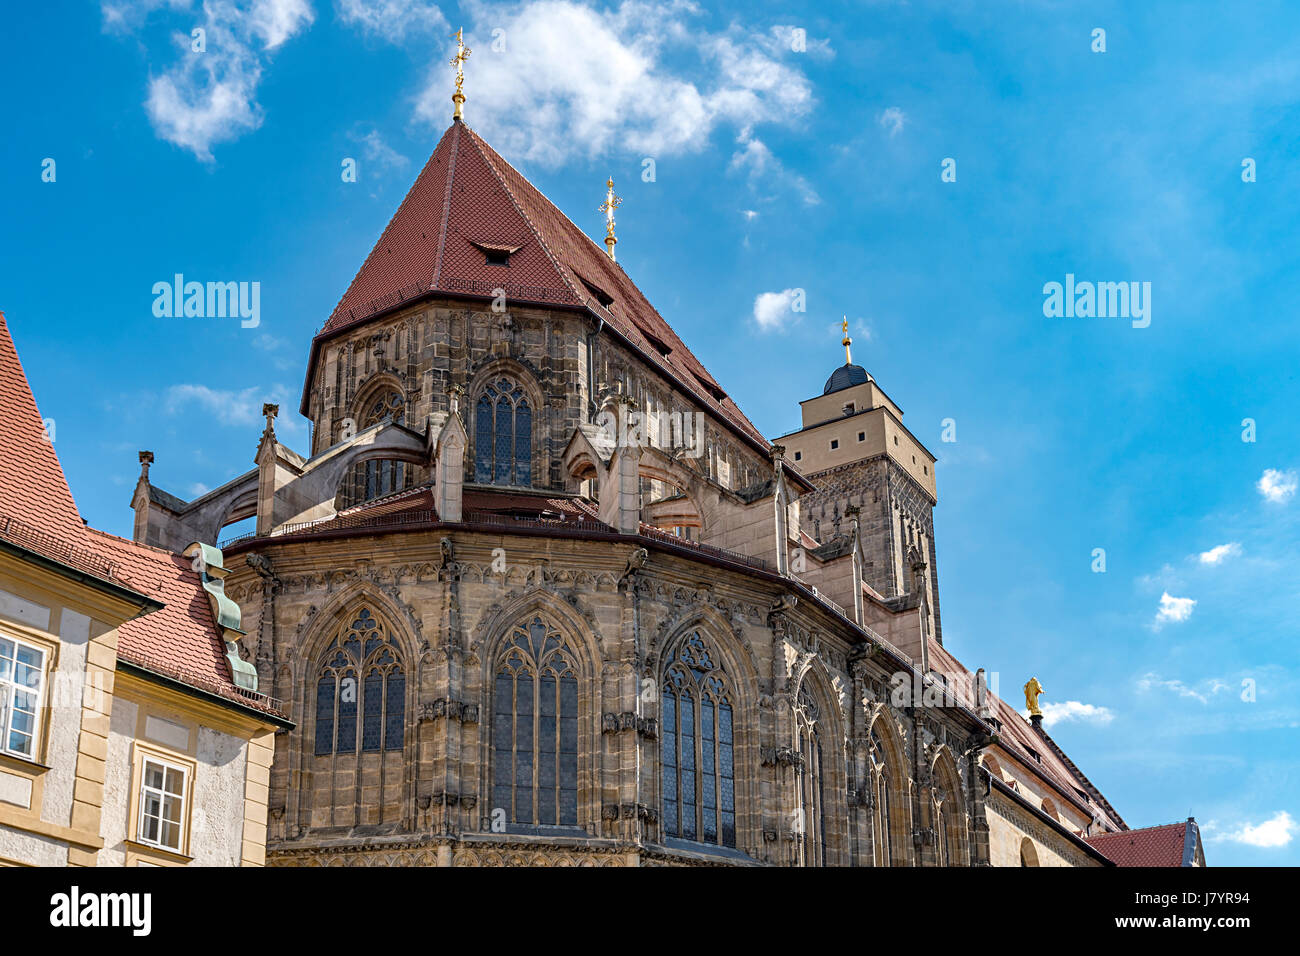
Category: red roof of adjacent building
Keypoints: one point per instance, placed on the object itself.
(1168, 845)
(468, 199)
(36, 507)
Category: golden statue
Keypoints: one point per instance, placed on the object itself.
(848, 356)
(458, 61)
(1032, 691)
(607, 207)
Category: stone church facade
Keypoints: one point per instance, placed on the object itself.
(540, 594)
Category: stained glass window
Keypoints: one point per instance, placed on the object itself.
(812, 790)
(503, 436)
(884, 810)
(383, 476)
(535, 728)
(698, 747)
(361, 677)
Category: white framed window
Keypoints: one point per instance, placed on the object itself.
(22, 689)
(163, 792)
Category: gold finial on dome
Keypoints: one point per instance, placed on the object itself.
(848, 356)
(607, 207)
(458, 61)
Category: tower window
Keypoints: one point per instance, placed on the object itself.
(503, 435)
(848, 408)
(862, 436)
(835, 443)
(798, 455)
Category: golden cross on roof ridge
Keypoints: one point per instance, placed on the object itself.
(458, 61)
(611, 203)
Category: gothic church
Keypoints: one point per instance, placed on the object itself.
(539, 593)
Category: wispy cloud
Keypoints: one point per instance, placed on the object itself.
(209, 96)
(229, 407)
(1173, 609)
(392, 20)
(555, 78)
(1202, 692)
(1277, 831)
(1277, 485)
(892, 121)
(774, 311)
(1220, 553)
(761, 168)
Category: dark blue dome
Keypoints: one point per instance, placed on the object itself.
(846, 376)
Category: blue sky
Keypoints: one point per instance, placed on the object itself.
(775, 170)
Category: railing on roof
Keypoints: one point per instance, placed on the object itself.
(51, 546)
(709, 549)
(231, 691)
(410, 293)
(496, 519)
(513, 290)
(381, 303)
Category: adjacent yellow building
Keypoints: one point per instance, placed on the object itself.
(130, 731)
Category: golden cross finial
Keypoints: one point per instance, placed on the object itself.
(848, 356)
(458, 61)
(607, 207)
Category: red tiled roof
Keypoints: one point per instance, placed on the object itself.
(36, 507)
(1151, 846)
(468, 198)
(182, 639)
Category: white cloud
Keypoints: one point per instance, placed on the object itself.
(772, 310)
(1277, 485)
(229, 407)
(1219, 553)
(1208, 688)
(749, 214)
(198, 490)
(381, 154)
(1277, 831)
(759, 164)
(892, 120)
(574, 80)
(210, 97)
(1174, 609)
(1073, 710)
(392, 20)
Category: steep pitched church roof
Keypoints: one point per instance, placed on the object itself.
(467, 201)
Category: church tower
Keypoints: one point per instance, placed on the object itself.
(855, 448)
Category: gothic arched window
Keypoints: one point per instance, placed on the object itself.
(884, 809)
(812, 847)
(535, 728)
(382, 476)
(503, 435)
(360, 691)
(699, 777)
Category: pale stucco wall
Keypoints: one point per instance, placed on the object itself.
(217, 791)
(218, 820)
(66, 687)
(117, 782)
(32, 849)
